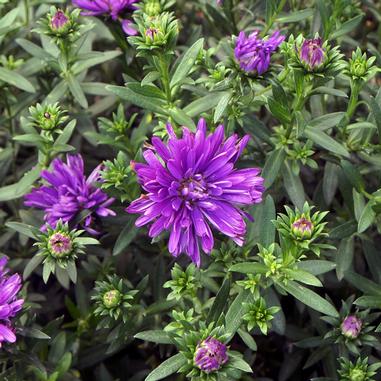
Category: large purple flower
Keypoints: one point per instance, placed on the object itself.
(190, 183)
(9, 304)
(69, 193)
(116, 9)
(253, 53)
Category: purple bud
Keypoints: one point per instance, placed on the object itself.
(302, 227)
(351, 326)
(210, 355)
(60, 245)
(312, 52)
(59, 20)
(151, 32)
(219, 2)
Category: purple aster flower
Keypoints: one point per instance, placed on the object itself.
(210, 355)
(69, 193)
(59, 20)
(9, 304)
(190, 184)
(254, 53)
(312, 52)
(351, 326)
(114, 8)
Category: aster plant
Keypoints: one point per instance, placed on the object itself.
(193, 186)
(360, 370)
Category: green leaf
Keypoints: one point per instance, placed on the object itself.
(34, 332)
(293, 186)
(64, 364)
(366, 218)
(296, 16)
(221, 106)
(94, 58)
(325, 141)
(368, 301)
(239, 363)
(186, 62)
(353, 175)
(168, 367)
(34, 49)
(279, 111)
(247, 339)
(149, 103)
(317, 266)
(249, 268)
(32, 264)
(235, 313)
(182, 118)
(309, 298)
(203, 104)
(272, 166)
(19, 189)
(66, 134)
(344, 256)
(303, 277)
(329, 91)
(376, 112)
(330, 181)
(347, 27)
(76, 90)
(125, 237)
(364, 284)
(327, 121)
(15, 79)
(28, 230)
(155, 336)
(219, 303)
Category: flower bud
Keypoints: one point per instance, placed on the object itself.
(60, 245)
(358, 67)
(112, 298)
(210, 355)
(47, 117)
(312, 52)
(59, 20)
(152, 8)
(351, 327)
(302, 228)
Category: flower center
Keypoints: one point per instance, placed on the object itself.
(194, 188)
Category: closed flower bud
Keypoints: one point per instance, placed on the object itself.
(358, 67)
(47, 117)
(312, 52)
(210, 355)
(112, 298)
(59, 20)
(60, 245)
(351, 327)
(302, 228)
(152, 8)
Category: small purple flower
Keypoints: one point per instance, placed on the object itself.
(254, 53)
(60, 245)
(351, 326)
(59, 20)
(69, 193)
(116, 9)
(312, 52)
(210, 355)
(190, 183)
(9, 304)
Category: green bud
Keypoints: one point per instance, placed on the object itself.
(112, 298)
(152, 8)
(47, 117)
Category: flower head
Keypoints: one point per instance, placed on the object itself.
(69, 192)
(10, 285)
(210, 355)
(351, 326)
(302, 227)
(312, 52)
(116, 9)
(59, 20)
(190, 183)
(253, 53)
(60, 244)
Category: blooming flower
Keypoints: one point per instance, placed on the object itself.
(210, 355)
(254, 53)
(351, 326)
(69, 193)
(9, 304)
(312, 52)
(191, 182)
(114, 8)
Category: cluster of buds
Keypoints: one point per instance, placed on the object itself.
(258, 315)
(61, 25)
(157, 34)
(118, 126)
(300, 229)
(112, 299)
(358, 371)
(59, 247)
(10, 63)
(183, 283)
(313, 56)
(47, 117)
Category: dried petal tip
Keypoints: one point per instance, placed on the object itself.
(210, 355)
(312, 52)
(59, 20)
(351, 327)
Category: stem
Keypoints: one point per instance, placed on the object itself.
(26, 5)
(164, 71)
(273, 17)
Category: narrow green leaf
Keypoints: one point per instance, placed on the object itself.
(296, 16)
(317, 266)
(32, 264)
(249, 268)
(293, 186)
(303, 277)
(28, 230)
(347, 27)
(155, 336)
(15, 79)
(344, 256)
(221, 107)
(168, 367)
(203, 104)
(125, 237)
(376, 112)
(272, 166)
(219, 303)
(76, 90)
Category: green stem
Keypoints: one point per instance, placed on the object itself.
(164, 71)
(26, 5)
